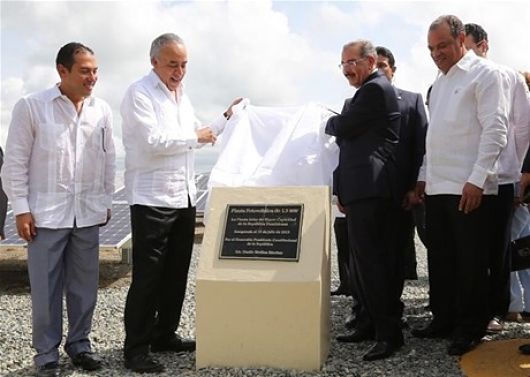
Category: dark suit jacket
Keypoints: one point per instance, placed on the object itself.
(411, 146)
(367, 133)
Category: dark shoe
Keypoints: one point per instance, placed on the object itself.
(381, 350)
(351, 322)
(431, 331)
(460, 346)
(356, 336)
(513, 317)
(525, 349)
(340, 291)
(87, 361)
(48, 370)
(143, 363)
(175, 344)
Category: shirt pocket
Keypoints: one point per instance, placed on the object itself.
(52, 136)
(94, 137)
(453, 108)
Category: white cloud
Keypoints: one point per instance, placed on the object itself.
(273, 53)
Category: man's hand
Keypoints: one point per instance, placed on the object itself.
(524, 183)
(206, 135)
(471, 198)
(109, 215)
(26, 226)
(419, 191)
(410, 200)
(341, 208)
(228, 113)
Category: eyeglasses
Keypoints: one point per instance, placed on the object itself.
(350, 63)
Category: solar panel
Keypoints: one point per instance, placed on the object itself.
(201, 181)
(117, 232)
(113, 235)
(10, 231)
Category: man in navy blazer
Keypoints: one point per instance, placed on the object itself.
(365, 183)
(409, 157)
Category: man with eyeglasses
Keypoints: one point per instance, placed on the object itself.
(365, 184)
(160, 132)
(510, 164)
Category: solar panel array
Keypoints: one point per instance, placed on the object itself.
(10, 231)
(118, 230)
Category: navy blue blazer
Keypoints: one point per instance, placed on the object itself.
(367, 133)
(411, 146)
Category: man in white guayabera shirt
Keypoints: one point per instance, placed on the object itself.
(467, 132)
(510, 163)
(160, 132)
(59, 176)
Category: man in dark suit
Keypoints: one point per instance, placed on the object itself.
(409, 157)
(365, 184)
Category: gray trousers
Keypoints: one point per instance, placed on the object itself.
(63, 260)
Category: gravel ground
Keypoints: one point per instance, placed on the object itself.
(416, 358)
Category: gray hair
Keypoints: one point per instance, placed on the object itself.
(161, 41)
(456, 26)
(367, 47)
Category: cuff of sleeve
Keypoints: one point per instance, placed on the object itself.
(218, 124)
(192, 141)
(421, 175)
(20, 205)
(478, 176)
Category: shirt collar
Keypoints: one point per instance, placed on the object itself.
(54, 93)
(465, 62)
(156, 82)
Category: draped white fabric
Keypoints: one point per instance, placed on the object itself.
(275, 146)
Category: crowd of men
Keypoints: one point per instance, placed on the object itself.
(395, 173)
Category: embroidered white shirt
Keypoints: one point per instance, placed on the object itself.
(467, 128)
(159, 136)
(518, 97)
(59, 165)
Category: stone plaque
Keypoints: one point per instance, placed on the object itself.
(262, 232)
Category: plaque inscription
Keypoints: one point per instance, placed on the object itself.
(262, 232)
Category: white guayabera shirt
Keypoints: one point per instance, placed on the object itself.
(467, 129)
(59, 165)
(159, 136)
(518, 99)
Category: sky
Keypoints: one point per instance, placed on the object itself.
(276, 53)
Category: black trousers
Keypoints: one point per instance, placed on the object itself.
(372, 233)
(458, 263)
(500, 263)
(162, 243)
(405, 243)
(340, 227)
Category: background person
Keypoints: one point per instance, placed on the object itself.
(509, 167)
